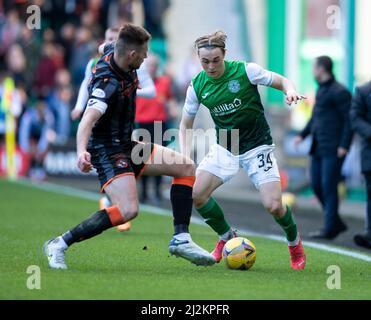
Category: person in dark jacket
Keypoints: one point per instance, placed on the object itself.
(360, 115)
(331, 138)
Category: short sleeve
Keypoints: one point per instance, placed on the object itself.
(191, 104)
(258, 75)
(101, 92)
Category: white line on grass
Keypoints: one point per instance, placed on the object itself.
(70, 191)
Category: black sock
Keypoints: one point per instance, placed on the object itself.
(181, 200)
(92, 226)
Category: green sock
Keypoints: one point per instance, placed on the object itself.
(214, 216)
(288, 225)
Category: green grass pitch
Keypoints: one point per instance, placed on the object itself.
(115, 265)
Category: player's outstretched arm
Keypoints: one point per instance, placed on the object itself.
(88, 120)
(287, 87)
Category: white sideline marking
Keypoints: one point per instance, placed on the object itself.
(70, 191)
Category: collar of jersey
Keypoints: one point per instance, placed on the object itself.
(224, 75)
(121, 73)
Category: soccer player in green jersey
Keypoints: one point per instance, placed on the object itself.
(229, 90)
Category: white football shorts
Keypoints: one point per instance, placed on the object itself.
(259, 163)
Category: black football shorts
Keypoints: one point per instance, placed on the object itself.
(113, 162)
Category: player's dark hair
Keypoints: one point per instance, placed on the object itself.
(131, 36)
(214, 40)
(326, 63)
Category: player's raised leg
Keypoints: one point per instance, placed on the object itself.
(168, 162)
(210, 210)
(125, 210)
(271, 196)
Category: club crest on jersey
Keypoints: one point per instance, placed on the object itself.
(121, 164)
(99, 93)
(120, 161)
(234, 86)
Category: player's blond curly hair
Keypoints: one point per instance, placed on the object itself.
(214, 40)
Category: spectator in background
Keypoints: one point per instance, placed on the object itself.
(35, 134)
(123, 11)
(88, 21)
(360, 115)
(153, 114)
(66, 40)
(31, 49)
(84, 48)
(11, 99)
(331, 132)
(10, 31)
(59, 104)
(190, 67)
(46, 70)
(153, 16)
(16, 63)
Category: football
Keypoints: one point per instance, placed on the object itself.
(239, 253)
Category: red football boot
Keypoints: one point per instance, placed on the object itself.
(297, 256)
(217, 253)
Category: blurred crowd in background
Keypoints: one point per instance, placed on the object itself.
(48, 65)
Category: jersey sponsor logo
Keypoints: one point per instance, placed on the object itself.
(205, 95)
(99, 93)
(226, 108)
(234, 86)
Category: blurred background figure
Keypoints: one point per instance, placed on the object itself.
(11, 100)
(331, 133)
(16, 63)
(360, 115)
(59, 104)
(153, 115)
(190, 67)
(35, 135)
(45, 72)
(83, 49)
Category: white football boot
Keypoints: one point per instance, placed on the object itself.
(54, 249)
(183, 246)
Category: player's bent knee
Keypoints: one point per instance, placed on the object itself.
(129, 213)
(199, 200)
(274, 207)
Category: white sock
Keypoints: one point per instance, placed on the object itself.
(295, 242)
(226, 236)
(183, 236)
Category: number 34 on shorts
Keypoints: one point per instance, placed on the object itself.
(262, 167)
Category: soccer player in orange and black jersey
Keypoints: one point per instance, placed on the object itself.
(110, 89)
(104, 142)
